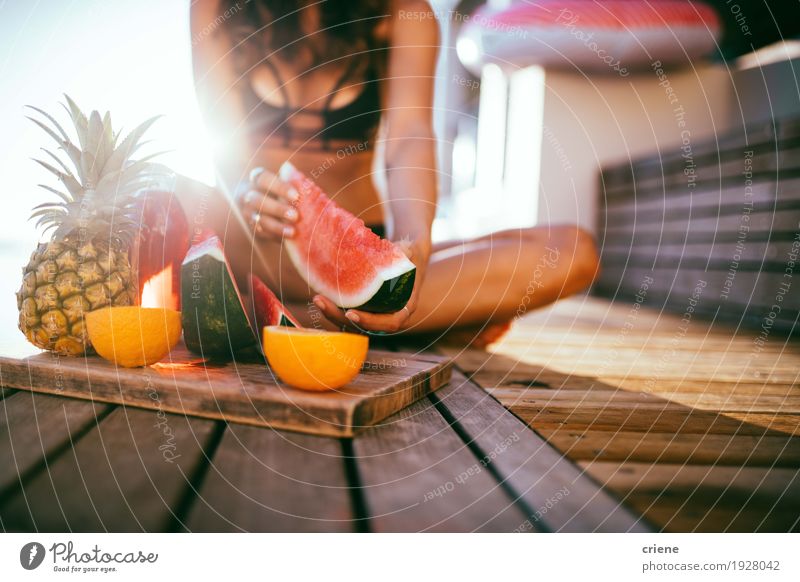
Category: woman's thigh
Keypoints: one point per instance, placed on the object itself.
(502, 275)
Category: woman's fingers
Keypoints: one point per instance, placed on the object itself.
(333, 313)
(353, 319)
(387, 322)
(267, 182)
(266, 226)
(256, 202)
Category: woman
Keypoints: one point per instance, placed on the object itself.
(344, 90)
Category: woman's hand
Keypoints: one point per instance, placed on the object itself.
(353, 319)
(266, 203)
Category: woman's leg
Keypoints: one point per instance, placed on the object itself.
(500, 276)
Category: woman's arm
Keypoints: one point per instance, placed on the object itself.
(409, 139)
(410, 147)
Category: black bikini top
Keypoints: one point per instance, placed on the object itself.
(355, 122)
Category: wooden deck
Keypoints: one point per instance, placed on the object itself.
(695, 426)
(454, 461)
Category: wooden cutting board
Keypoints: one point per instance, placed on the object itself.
(246, 393)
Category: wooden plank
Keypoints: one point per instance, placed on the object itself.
(618, 398)
(646, 363)
(501, 370)
(34, 427)
(707, 497)
(555, 491)
(269, 481)
(766, 450)
(700, 335)
(617, 361)
(555, 381)
(658, 418)
(238, 392)
(128, 474)
(418, 475)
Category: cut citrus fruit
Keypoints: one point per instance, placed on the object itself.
(133, 336)
(313, 359)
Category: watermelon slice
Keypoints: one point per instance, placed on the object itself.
(214, 320)
(340, 258)
(265, 307)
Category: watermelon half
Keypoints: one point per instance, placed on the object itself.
(342, 259)
(265, 307)
(214, 320)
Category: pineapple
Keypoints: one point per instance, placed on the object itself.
(85, 265)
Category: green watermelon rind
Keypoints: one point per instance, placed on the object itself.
(213, 318)
(392, 295)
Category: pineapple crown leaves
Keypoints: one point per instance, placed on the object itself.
(101, 185)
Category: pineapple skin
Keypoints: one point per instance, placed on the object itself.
(65, 280)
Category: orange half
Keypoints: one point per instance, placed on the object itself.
(314, 359)
(133, 336)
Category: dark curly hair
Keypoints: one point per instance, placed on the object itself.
(262, 27)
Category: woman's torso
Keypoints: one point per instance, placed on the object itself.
(323, 115)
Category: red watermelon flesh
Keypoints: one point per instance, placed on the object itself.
(266, 308)
(162, 241)
(340, 258)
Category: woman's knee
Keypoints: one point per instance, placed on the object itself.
(579, 250)
(574, 248)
